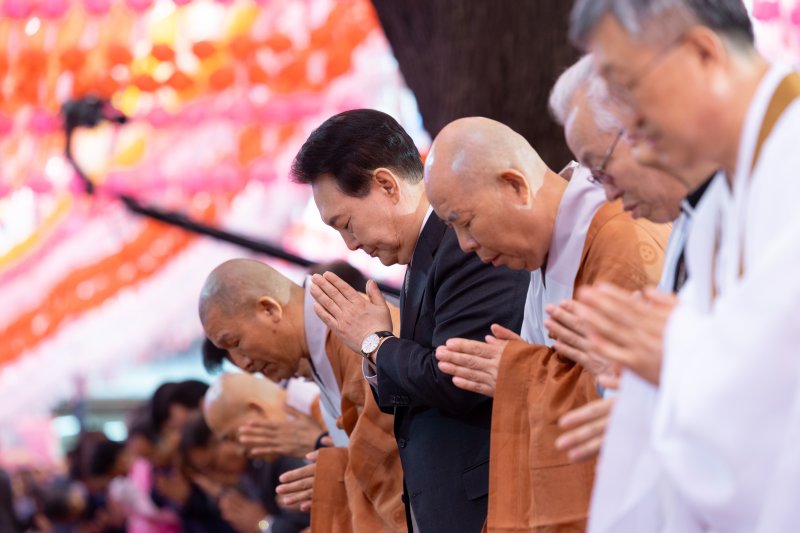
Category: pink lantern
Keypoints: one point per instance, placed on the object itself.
(224, 176)
(97, 7)
(262, 170)
(795, 16)
(139, 5)
(53, 9)
(18, 9)
(5, 189)
(181, 2)
(158, 117)
(43, 123)
(6, 125)
(39, 184)
(766, 10)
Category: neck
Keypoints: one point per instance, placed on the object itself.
(414, 221)
(548, 199)
(748, 76)
(299, 322)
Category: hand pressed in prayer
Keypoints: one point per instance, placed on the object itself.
(297, 486)
(626, 328)
(584, 429)
(474, 364)
(346, 312)
(241, 513)
(566, 328)
(294, 437)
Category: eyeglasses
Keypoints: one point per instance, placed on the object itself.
(598, 174)
(623, 93)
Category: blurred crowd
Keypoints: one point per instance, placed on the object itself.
(172, 474)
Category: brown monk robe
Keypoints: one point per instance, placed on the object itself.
(358, 489)
(523, 454)
(507, 206)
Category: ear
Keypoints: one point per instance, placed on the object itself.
(707, 45)
(271, 308)
(386, 183)
(514, 187)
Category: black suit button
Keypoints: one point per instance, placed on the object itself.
(401, 443)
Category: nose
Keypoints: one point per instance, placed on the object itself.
(465, 241)
(350, 241)
(612, 191)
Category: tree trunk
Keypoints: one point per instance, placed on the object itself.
(492, 58)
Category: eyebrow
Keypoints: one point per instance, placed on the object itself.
(453, 216)
(333, 221)
(223, 340)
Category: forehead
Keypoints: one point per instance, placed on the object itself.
(585, 139)
(613, 48)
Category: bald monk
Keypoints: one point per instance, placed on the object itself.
(265, 323)
(509, 208)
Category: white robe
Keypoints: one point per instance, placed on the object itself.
(626, 494)
(580, 202)
(728, 407)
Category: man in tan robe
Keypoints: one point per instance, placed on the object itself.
(261, 319)
(509, 208)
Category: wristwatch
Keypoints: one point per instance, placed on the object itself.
(373, 341)
(265, 524)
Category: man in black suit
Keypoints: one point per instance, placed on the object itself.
(366, 175)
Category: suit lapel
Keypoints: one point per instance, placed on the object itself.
(417, 274)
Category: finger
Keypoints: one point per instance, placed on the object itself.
(332, 291)
(295, 413)
(296, 497)
(652, 294)
(465, 373)
(322, 298)
(327, 318)
(611, 351)
(582, 434)
(375, 294)
(586, 450)
(267, 451)
(608, 380)
(342, 286)
(464, 361)
(471, 347)
(294, 487)
(591, 411)
(579, 357)
(326, 441)
(567, 319)
(564, 334)
(305, 507)
(312, 456)
(473, 386)
(603, 323)
(504, 334)
(303, 472)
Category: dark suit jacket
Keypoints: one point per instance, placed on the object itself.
(442, 431)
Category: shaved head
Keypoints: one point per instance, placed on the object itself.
(235, 397)
(471, 152)
(488, 183)
(237, 285)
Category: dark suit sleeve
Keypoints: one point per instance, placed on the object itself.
(468, 297)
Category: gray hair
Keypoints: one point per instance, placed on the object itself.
(581, 76)
(563, 93)
(657, 21)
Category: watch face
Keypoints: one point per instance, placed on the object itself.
(370, 343)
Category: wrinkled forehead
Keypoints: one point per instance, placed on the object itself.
(614, 49)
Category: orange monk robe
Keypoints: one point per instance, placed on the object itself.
(358, 489)
(532, 486)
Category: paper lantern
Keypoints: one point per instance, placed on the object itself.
(203, 49)
(53, 9)
(18, 9)
(163, 52)
(766, 10)
(72, 59)
(146, 83)
(6, 125)
(222, 78)
(242, 48)
(140, 6)
(118, 54)
(179, 81)
(97, 7)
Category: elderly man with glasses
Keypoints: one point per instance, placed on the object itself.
(693, 88)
